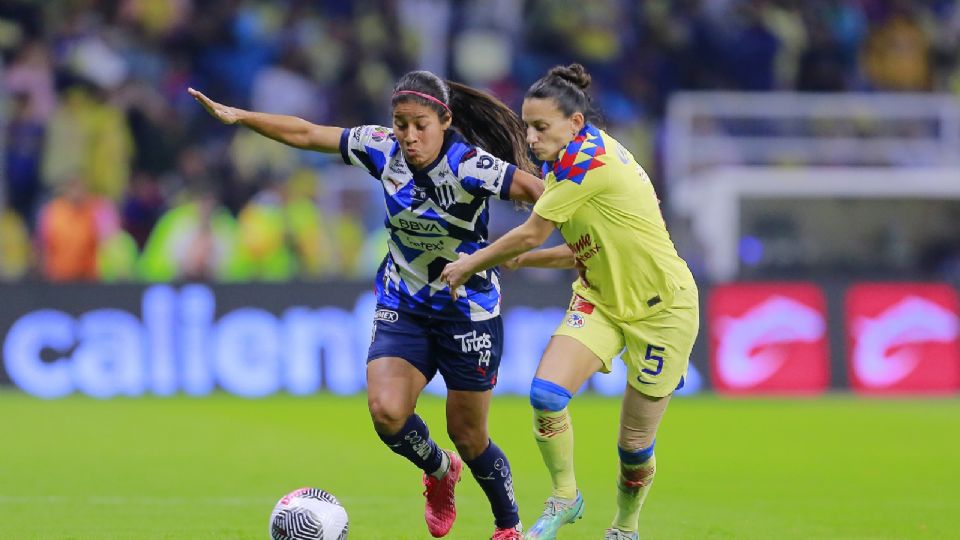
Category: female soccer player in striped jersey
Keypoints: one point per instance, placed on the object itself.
(449, 150)
(634, 293)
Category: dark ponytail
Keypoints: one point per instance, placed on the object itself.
(567, 85)
(483, 120)
(487, 123)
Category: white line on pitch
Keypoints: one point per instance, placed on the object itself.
(119, 499)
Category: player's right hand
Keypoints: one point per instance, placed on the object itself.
(223, 113)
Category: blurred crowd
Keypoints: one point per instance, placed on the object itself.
(111, 172)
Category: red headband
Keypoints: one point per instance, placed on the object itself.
(427, 97)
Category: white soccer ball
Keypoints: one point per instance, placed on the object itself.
(308, 514)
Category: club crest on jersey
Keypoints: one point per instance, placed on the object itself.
(575, 320)
(446, 195)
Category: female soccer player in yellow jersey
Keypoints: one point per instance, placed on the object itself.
(634, 292)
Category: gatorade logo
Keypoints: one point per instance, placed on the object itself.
(903, 338)
(768, 338)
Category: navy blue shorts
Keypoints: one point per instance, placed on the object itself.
(467, 353)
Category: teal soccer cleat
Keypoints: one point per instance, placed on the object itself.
(556, 513)
(616, 534)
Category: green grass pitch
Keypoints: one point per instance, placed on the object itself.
(158, 468)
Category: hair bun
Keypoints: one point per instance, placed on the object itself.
(575, 74)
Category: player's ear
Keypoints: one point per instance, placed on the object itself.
(577, 120)
(446, 121)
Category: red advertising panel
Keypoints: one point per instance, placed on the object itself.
(903, 338)
(768, 338)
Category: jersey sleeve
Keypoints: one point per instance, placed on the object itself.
(561, 199)
(368, 147)
(482, 174)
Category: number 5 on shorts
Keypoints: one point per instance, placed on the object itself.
(650, 356)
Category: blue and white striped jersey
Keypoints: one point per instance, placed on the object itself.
(432, 215)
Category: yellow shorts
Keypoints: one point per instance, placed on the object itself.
(657, 347)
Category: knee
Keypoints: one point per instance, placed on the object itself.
(548, 396)
(470, 441)
(635, 439)
(388, 415)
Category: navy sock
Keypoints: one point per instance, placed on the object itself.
(414, 443)
(492, 471)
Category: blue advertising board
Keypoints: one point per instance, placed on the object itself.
(249, 340)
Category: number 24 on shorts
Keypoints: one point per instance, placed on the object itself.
(651, 349)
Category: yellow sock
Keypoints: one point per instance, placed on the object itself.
(633, 485)
(554, 434)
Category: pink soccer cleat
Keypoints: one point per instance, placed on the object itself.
(513, 533)
(441, 508)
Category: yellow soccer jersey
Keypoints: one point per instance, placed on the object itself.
(608, 213)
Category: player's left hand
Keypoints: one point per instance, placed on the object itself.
(456, 273)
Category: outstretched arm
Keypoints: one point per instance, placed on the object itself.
(290, 130)
(556, 257)
(519, 240)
